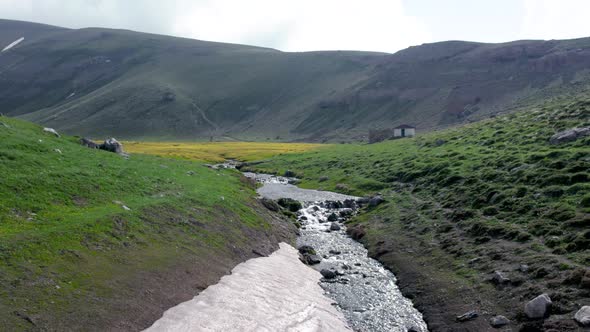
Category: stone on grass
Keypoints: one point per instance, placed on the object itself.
(569, 135)
(467, 316)
(539, 307)
(111, 145)
(51, 131)
(499, 278)
(583, 316)
(499, 321)
(376, 201)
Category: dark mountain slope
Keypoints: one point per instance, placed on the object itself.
(135, 85)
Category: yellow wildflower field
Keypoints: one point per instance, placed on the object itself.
(218, 151)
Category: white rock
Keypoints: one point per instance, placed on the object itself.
(538, 307)
(583, 316)
(51, 131)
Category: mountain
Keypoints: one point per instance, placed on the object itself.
(98, 82)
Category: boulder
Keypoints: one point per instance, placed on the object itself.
(51, 131)
(332, 217)
(111, 145)
(334, 227)
(305, 249)
(376, 200)
(569, 135)
(349, 204)
(499, 321)
(356, 233)
(499, 278)
(328, 274)
(290, 204)
(289, 174)
(539, 307)
(88, 143)
(583, 316)
(270, 204)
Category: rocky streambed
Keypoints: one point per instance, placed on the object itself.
(363, 290)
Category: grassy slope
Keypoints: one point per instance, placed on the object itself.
(72, 256)
(467, 201)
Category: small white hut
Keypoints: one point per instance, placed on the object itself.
(404, 131)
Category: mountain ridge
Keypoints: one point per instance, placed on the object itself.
(134, 85)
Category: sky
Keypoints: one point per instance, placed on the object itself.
(308, 25)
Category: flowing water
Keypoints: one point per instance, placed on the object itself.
(364, 290)
(279, 293)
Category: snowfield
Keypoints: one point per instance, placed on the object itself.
(275, 293)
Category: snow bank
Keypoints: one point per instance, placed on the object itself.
(13, 44)
(275, 293)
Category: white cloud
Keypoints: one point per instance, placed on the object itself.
(555, 19)
(305, 25)
(302, 25)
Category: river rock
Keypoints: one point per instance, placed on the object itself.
(328, 274)
(305, 249)
(111, 145)
(346, 212)
(51, 131)
(334, 227)
(569, 135)
(289, 174)
(312, 259)
(539, 307)
(467, 316)
(499, 321)
(332, 217)
(290, 204)
(349, 203)
(583, 316)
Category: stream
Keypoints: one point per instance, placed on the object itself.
(345, 291)
(365, 292)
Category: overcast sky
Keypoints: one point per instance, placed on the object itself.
(304, 25)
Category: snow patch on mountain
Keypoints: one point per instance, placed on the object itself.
(13, 44)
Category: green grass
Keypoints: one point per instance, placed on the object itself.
(500, 177)
(65, 237)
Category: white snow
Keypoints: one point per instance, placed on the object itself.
(13, 44)
(275, 293)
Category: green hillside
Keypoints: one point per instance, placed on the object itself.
(90, 240)
(462, 203)
(98, 82)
